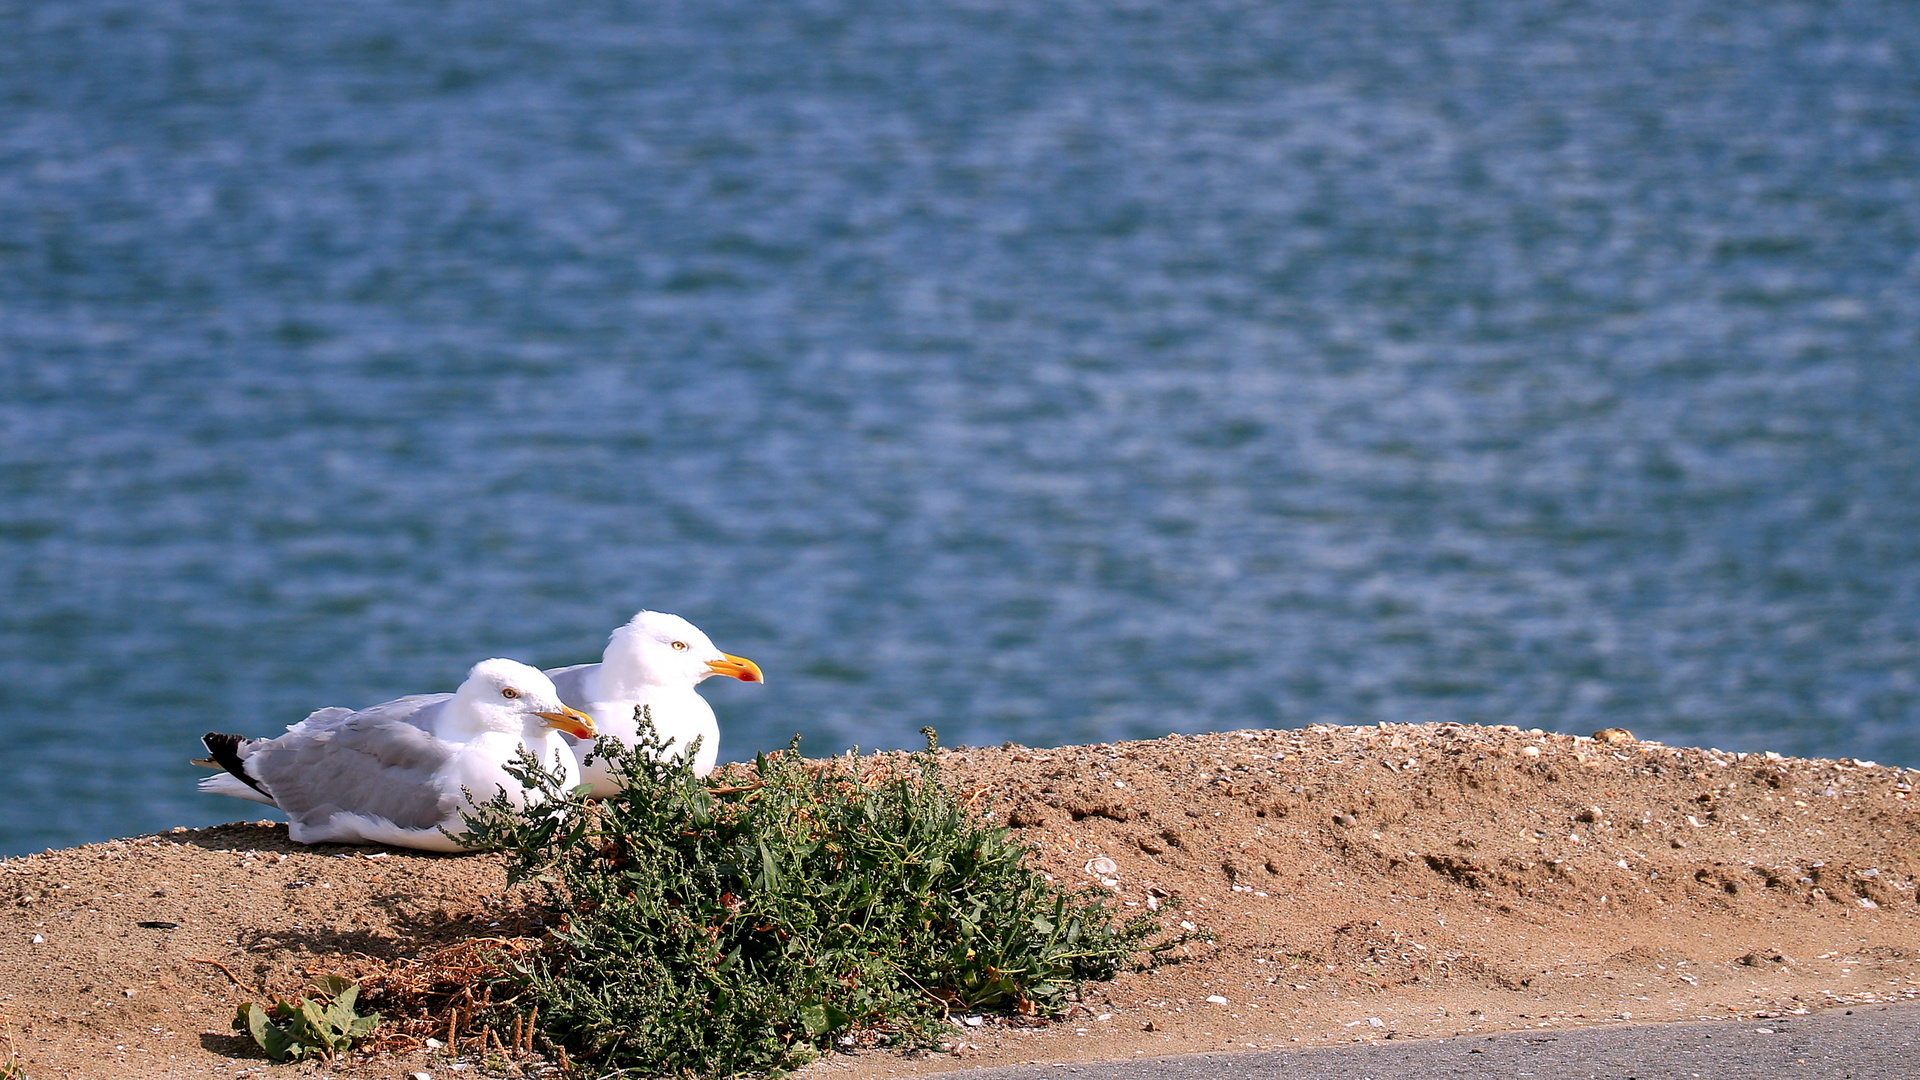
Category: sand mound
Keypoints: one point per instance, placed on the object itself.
(1381, 882)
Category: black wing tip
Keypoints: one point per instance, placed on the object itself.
(225, 752)
(214, 741)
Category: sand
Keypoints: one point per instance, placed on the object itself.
(1393, 882)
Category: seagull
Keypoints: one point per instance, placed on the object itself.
(401, 771)
(655, 660)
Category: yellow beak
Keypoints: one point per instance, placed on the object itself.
(738, 667)
(577, 724)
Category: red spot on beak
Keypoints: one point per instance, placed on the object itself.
(738, 667)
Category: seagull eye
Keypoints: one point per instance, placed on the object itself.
(679, 646)
(509, 692)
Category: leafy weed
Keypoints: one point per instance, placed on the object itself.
(296, 1030)
(719, 928)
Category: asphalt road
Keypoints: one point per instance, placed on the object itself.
(1874, 1042)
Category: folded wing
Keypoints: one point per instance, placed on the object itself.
(365, 764)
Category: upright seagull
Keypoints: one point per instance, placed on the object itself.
(394, 773)
(656, 659)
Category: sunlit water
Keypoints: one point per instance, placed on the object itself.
(1043, 371)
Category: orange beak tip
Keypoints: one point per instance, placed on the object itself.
(573, 722)
(738, 667)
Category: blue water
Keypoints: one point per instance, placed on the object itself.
(1050, 371)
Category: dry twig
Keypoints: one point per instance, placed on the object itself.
(228, 971)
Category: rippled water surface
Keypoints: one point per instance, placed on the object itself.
(1049, 371)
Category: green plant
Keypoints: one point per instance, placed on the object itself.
(295, 1030)
(720, 928)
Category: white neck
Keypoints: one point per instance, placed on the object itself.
(619, 676)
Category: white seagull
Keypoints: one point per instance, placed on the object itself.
(655, 660)
(394, 773)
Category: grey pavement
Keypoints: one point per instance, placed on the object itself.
(1870, 1042)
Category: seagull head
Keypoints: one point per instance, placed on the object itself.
(658, 649)
(506, 695)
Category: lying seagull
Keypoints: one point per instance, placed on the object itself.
(394, 773)
(655, 660)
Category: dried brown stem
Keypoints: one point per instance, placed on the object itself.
(229, 973)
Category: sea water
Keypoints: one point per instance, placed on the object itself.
(1050, 371)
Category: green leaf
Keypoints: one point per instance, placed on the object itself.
(333, 986)
(313, 1016)
(252, 1019)
(813, 1017)
(281, 1046)
(768, 880)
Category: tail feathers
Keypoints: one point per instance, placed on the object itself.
(222, 783)
(225, 752)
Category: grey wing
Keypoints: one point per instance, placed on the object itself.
(377, 767)
(321, 718)
(576, 683)
(416, 709)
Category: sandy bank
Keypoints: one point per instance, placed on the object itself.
(1363, 883)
